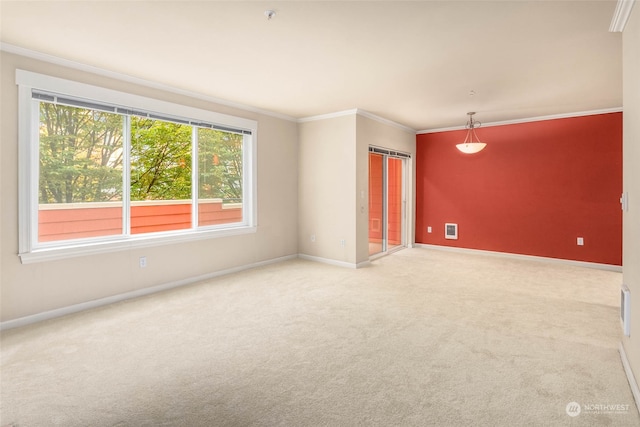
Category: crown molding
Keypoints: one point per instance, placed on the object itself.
(51, 59)
(623, 10)
(343, 113)
(358, 112)
(621, 15)
(382, 120)
(529, 120)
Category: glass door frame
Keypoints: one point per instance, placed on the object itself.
(386, 155)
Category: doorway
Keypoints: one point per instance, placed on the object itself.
(387, 200)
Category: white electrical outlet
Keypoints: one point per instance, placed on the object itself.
(313, 237)
(343, 243)
(428, 229)
(143, 261)
(580, 241)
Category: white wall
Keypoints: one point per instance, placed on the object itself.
(631, 182)
(311, 177)
(326, 188)
(334, 177)
(34, 288)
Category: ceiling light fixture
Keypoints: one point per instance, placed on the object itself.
(468, 146)
(269, 14)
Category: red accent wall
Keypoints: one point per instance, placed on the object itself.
(533, 190)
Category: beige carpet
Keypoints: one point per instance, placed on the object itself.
(420, 338)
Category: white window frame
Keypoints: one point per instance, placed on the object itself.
(30, 251)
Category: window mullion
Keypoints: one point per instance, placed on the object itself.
(126, 177)
(195, 185)
(249, 180)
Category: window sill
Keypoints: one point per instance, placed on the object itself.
(158, 239)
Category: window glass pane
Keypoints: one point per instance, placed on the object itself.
(160, 175)
(220, 177)
(376, 203)
(394, 201)
(80, 173)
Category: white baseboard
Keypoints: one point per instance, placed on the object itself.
(26, 320)
(51, 314)
(333, 261)
(608, 267)
(630, 377)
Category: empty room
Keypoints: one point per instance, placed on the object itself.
(319, 213)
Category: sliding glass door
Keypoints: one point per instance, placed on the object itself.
(376, 204)
(387, 200)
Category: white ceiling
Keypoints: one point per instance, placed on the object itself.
(411, 62)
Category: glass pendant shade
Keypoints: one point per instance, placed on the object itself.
(469, 146)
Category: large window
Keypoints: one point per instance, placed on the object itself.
(100, 169)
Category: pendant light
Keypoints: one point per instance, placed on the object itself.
(469, 146)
